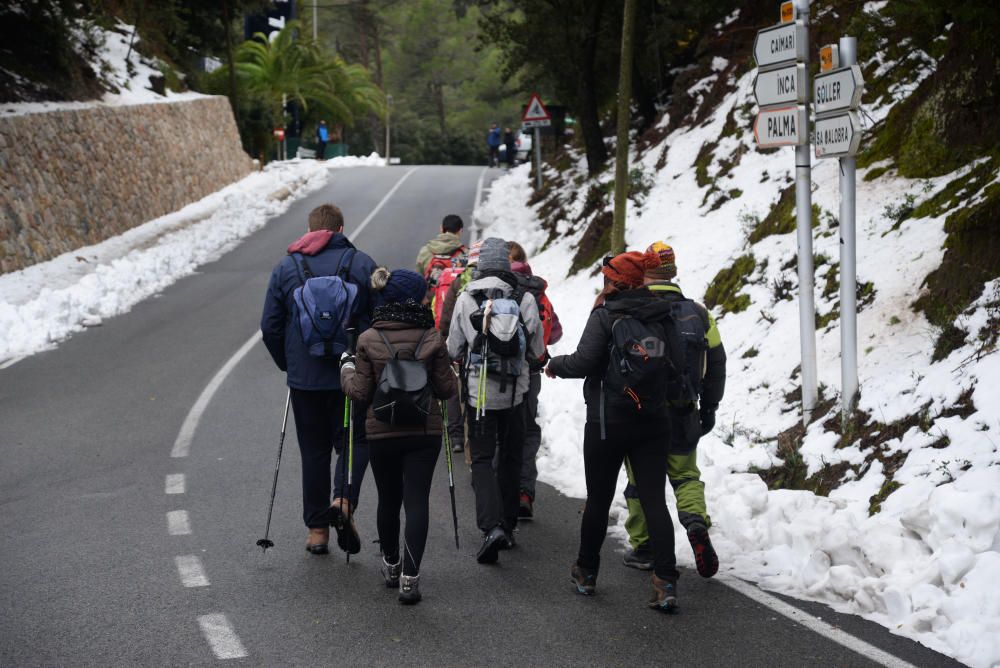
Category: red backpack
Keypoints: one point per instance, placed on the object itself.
(444, 281)
(438, 264)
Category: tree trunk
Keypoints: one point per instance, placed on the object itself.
(590, 122)
(227, 17)
(621, 150)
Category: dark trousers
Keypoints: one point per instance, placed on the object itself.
(403, 469)
(645, 444)
(456, 422)
(321, 150)
(319, 424)
(532, 435)
(496, 491)
(494, 156)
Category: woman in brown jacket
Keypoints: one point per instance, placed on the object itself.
(403, 451)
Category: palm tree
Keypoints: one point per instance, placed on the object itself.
(291, 67)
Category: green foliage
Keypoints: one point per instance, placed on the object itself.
(724, 289)
(289, 66)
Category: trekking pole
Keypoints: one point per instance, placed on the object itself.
(264, 542)
(350, 472)
(451, 474)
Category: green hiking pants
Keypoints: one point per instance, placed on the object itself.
(685, 478)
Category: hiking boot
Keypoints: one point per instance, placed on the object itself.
(526, 509)
(391, 572)
(492, 540)
(705, 557)
(640, 558)
(664, 596)
(585, 579)
(509, 543)
(347, 531)
(318, 541)
(409, 589)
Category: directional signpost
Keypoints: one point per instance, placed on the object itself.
(837, 136)
(837, 94)
(781, 89)
(785, 85)
(536, 116)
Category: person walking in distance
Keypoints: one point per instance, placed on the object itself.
(322, 137)
(551, 333)
(309, 355)
(510, 147)
(403, 425)
(493, 140)
(626, 354)
(706, 368)
(493, 333)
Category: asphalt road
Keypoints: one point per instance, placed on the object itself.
(89, 564)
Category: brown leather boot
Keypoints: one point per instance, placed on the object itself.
(664, 596)
(318, 541)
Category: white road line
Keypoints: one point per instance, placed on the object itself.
(221, 637)
(183, 443)
(11, 362)
(178, 523)
(191, 571)
(814, 624)
(474, 232)
(175, 484)
(378, 207)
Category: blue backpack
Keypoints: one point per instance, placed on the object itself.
(324, 309)
(504, 342)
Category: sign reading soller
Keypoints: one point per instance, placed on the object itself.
(780, 44)
(838, 90)
(785, 85)
(783, 126)
(837, 136)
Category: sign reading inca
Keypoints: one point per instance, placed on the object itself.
(786, 85)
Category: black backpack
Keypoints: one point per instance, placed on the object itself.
(403, 394)
(646, 367)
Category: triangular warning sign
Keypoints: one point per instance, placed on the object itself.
(536, 111)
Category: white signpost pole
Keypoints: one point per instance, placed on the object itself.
(803, 211)
(848, 263)
(538, 157)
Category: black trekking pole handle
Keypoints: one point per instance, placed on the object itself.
(265, 542)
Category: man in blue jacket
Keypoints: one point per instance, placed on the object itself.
(493, 140)
(322, 137)
(317, 400)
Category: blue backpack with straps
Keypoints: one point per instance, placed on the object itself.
(324, 307)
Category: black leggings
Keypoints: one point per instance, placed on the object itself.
(403, 469)
(645, 444)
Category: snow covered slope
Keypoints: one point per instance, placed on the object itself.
(897, 520)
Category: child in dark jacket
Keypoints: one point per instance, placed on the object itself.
(402, 456)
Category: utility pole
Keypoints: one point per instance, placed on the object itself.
(388, 111)
(621, 151)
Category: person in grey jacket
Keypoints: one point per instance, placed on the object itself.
(499, 422)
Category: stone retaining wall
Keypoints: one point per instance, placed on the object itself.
(76, 177)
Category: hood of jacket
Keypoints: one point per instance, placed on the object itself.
(522, 268)
(489, 283)
(313, 243)
(445, 243)
(639, 303)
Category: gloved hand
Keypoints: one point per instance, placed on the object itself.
(347, 361)
(707, 418)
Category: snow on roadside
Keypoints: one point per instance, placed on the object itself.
(112, 67)
(925, 565)
(47, 302)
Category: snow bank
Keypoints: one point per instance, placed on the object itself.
(927, 564)
(45, 303)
